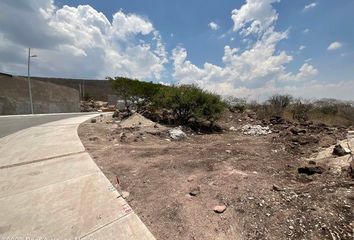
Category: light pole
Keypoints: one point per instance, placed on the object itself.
(29, 78)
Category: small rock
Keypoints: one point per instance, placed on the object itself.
(228, 151)
(219, 208)
(340, 151)
(195, 191)
(93, 120)
(310, 170)
(93, 138)
(311, 162)
(277, 188)
(291, 227)
(297, 131)
(232, 128)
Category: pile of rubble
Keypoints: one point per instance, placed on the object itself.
(137, 120)
(135, 127)
(255, 130)
(96, 106)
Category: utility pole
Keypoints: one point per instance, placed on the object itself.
(29, 78)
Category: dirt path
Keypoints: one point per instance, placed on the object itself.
(255, 177)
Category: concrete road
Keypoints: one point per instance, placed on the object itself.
(50, 188)
(13, 123)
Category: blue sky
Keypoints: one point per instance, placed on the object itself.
(300, 47)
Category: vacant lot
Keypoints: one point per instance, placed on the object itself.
(175, 185)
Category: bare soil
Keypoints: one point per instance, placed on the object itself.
(174, 185)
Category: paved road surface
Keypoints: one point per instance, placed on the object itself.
(13, 123)
(50, 188)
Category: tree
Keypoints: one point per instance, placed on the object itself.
(279, 103)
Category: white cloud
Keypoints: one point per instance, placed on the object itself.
(334, 46)
(309, 6)
(79, 41)
(255, 16)
(302, 47)
(257, 71)
(306, 31)
(213, 26)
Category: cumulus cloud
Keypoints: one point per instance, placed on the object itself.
(309, 6)
(334, 46)
(257, 71)
(78, 41)
(213, 26)
(255, 16)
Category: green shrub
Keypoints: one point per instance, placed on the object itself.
(188, 102)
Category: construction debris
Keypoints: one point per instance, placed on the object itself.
(255, 130)
(177, 134)
(137, 120)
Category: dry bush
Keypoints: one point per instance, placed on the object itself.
(279, 103)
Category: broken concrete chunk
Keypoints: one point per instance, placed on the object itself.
(177, 134)
(255, 130)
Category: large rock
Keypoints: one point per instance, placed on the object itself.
(177, 134)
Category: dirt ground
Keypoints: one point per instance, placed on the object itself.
(174, 185)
